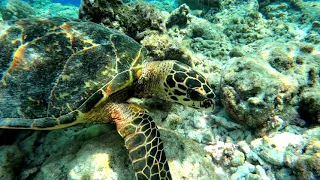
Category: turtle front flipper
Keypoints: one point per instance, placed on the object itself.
(45, 123)
(142, 139)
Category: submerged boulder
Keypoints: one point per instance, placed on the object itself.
(10, 160)
(132, 19)
(15, 9)
(253, 92)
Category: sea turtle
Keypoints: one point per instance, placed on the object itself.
(57, 72)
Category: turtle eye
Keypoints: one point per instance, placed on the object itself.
(195, 95)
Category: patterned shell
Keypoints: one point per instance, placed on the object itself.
(50, 67)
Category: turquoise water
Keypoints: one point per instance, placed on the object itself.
(74, 2)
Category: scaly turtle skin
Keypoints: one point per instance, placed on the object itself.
(57, 73)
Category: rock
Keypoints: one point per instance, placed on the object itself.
(299, 60)
(143, 22)
(247, 29)
(179, 17)
(174, 120)
(192, 124)
(250, 176)
(225, 123)
(189, 160)
(290, 10)
(242, 171)
(16, 9)
(310, 105)
(237, 134)
(262, 173)
(308, 166)
(100, 10)
(162, 47)
(237, 158)
(98, 152)
(276, 10)
(284, 174)
(236, 52)
(314, 33)
(102, 157)
(252, 91)
(202, 28)
(312, 133)
(11, 161)
(251, 156)
(231, 157)
(207, 38)
(291, 157)
(273, 149)
(133, 19)
(313, 147)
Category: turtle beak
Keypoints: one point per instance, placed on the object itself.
(207, 104)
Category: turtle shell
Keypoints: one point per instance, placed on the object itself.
(51, 67)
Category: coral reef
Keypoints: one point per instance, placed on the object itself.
(97, 10)
(298, 60)
(143, 22)
(162, 47)
(310, 105)
(290, 10)
(133, 19)
(261, 57)
(314, 33)
(207, 39)
(10, 160)
(301, 62)
(97, 152)
(15, 9)
(178, 17)
(274, 149)
(292, 14)
(253, 92)
(244, 30)
(308, 167)
(307, 164)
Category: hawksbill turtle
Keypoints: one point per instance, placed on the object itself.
(58, 72)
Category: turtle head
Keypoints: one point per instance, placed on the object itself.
(183, 85)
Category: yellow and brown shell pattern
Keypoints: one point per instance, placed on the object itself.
(50, 67)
